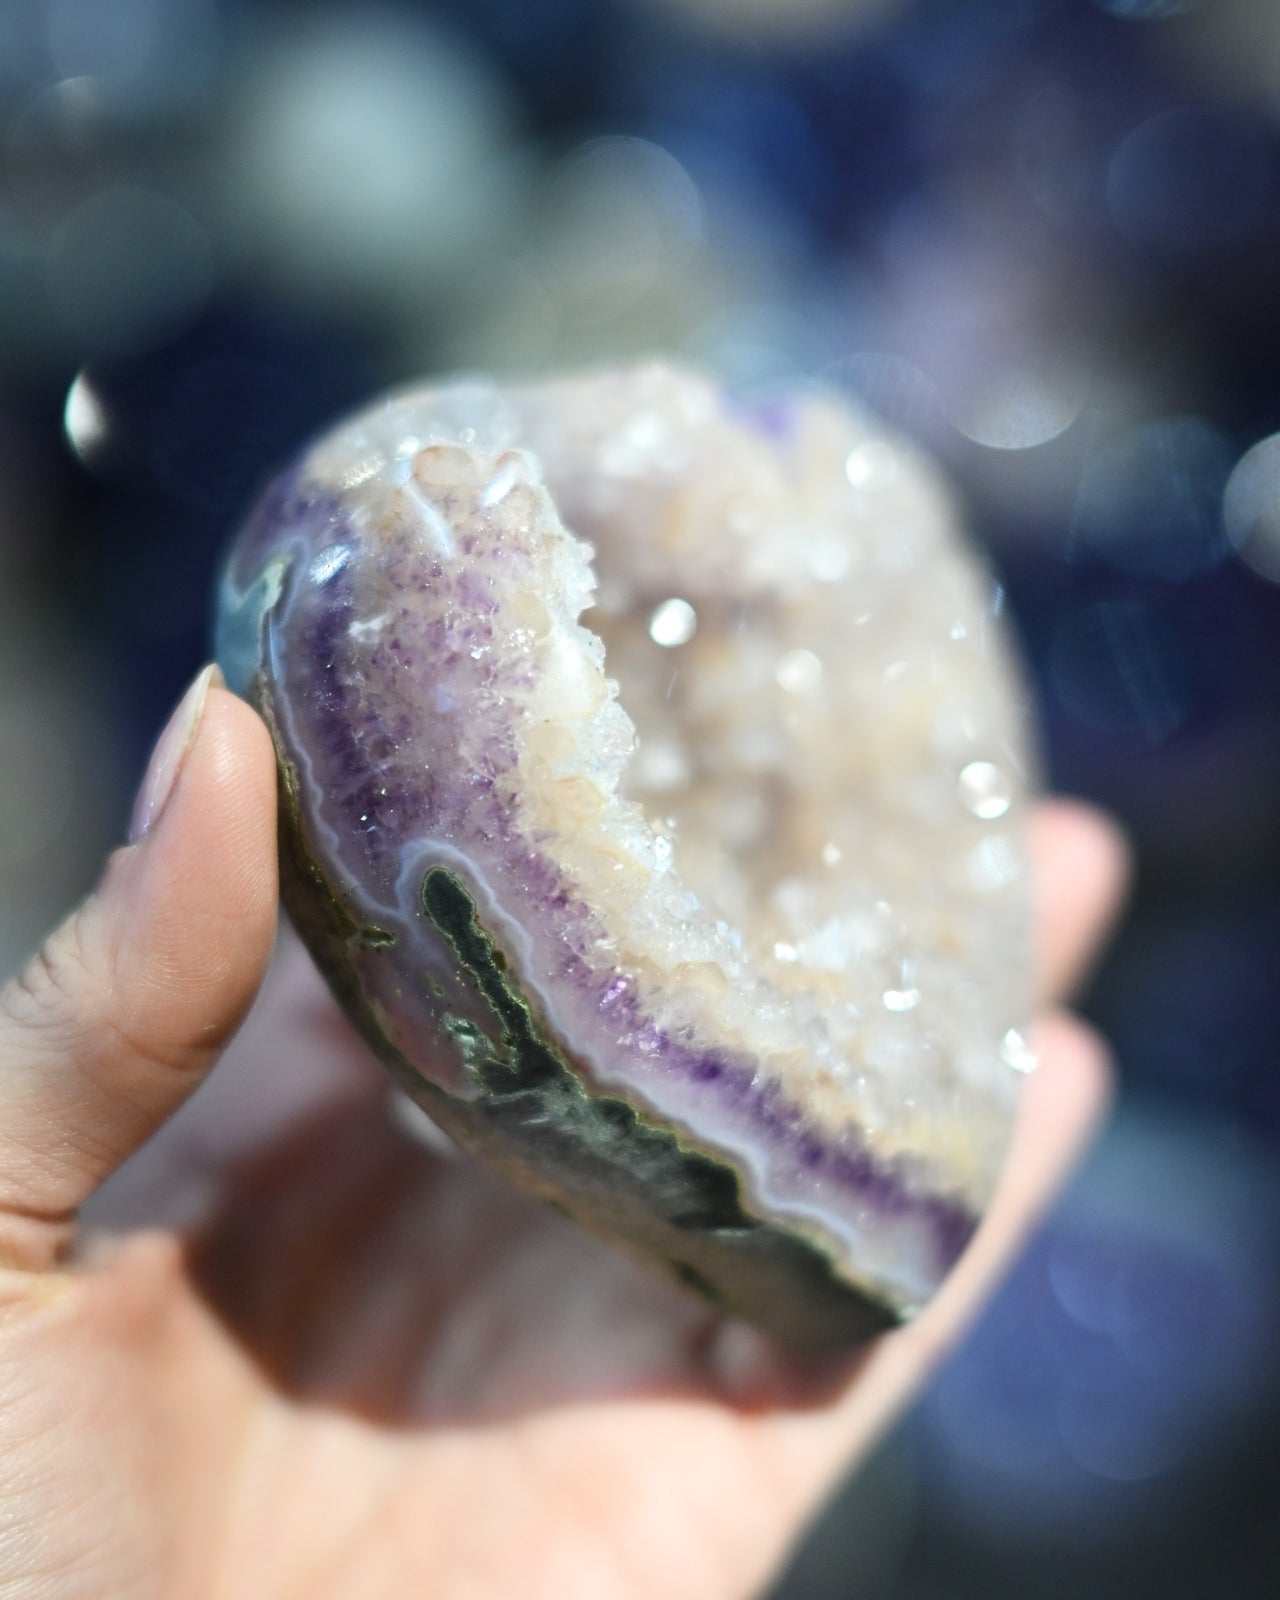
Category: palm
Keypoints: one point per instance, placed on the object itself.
(425, 1372)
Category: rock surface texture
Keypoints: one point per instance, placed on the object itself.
(679, 872)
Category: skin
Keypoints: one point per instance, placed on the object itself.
(274, 1346)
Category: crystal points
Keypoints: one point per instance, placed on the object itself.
(678, 872)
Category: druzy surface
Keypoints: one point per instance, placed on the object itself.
(652, 789)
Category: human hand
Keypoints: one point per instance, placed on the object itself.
(346, 1365)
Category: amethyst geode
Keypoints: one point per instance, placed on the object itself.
(730, 962)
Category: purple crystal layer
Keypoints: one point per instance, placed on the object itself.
(385, 662)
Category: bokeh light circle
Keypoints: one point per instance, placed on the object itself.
(1251, 508)
(127, 269)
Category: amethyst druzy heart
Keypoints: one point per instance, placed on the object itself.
(679, 873)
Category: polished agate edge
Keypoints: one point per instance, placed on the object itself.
(432, 913)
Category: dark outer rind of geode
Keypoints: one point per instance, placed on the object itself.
(593, 1157)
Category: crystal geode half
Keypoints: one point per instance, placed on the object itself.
(678, 873)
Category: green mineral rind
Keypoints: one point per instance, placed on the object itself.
(612, 1168)
(624, 1175)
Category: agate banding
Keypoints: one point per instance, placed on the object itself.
(677, 872)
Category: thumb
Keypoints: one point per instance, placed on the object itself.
(113, 1024)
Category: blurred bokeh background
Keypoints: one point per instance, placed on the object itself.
(1042, 237)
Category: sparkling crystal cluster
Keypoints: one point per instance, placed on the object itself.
(653, 774)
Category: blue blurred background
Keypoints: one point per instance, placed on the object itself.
(1041, 236)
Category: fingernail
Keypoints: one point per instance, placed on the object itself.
(170, 754)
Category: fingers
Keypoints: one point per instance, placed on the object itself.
(1081, 865)
(1081, 869)
(1062, 1104)
(112, 1025)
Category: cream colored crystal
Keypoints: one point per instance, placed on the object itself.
(798, 823)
